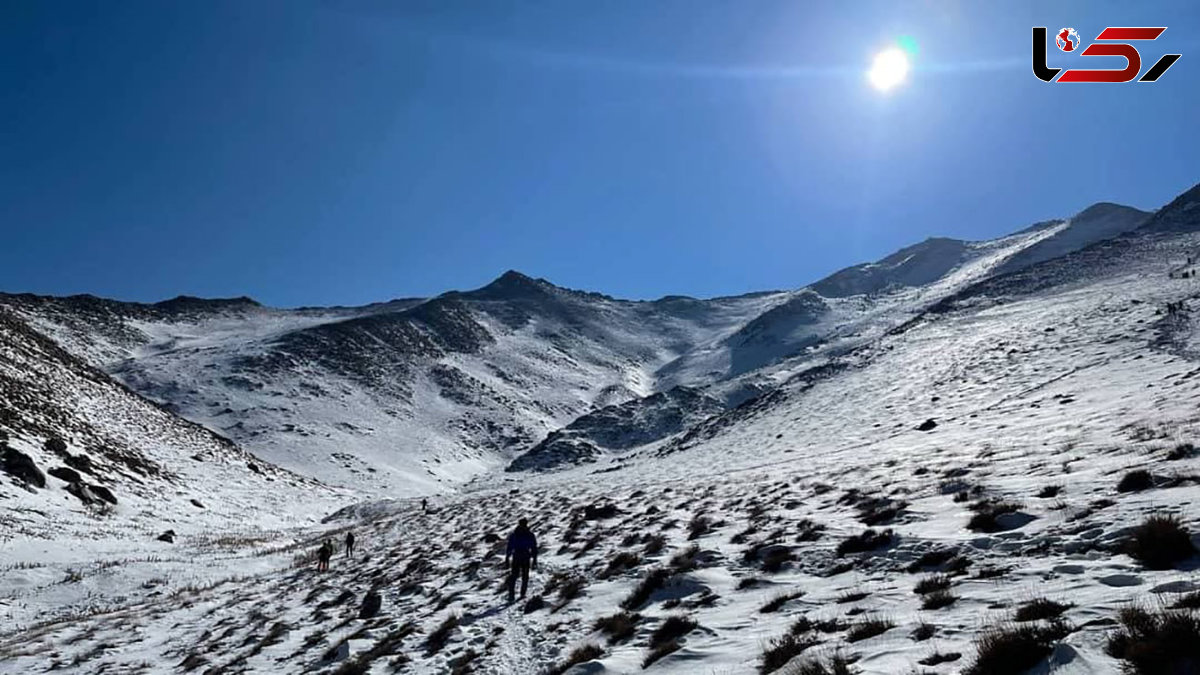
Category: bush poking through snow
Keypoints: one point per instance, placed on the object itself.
(618, 627)
(937, 582)
(659, 652)
(938, 600)
(1040, 608)
(938, 658)
(1160, 542)
(1136, 481)
(987, 514)
(748, 582)
(1004, 650)
(869, 540)
(775, 558)
(852, 596)
(685, 560)
(698, 527)
(534, 603)
(654, 544)
(655, 579)
(922, 632)
(581, 654)
(776, 603)
(672, 628)
(1153, 643)
(934, 558)
(620, 562)
(665, 638)
(783, 649)
(441, 635)
(1050, 492)
(868, 628)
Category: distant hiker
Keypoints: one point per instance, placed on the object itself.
(349, 544)
(323, 556)
(424, 505)
(520, 555)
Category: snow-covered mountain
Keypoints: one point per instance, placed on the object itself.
(955, 450)
(86, 458)
(419, 395)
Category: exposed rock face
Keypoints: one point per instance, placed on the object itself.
(620, 427)
(20, 466)
(65, 474)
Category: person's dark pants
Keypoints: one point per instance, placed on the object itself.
(518, 568)
(349, 550)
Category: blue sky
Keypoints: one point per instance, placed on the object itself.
(345, 152)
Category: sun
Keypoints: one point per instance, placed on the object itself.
(889, 69)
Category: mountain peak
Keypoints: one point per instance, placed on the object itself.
(511, 285)
(1106, 210)
(188, 303)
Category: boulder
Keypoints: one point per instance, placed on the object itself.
(103, 493)
(80, 463)
(168, 536)
(56, 445)
(927, 425)
(370, 605)
(84, 493)
(65, 474)
(21, 466)
(196, 503)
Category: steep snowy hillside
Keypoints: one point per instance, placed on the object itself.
(85, 458)
(859, 304)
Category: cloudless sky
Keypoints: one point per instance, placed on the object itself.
(344, 152)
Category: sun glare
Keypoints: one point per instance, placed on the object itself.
(889, 69)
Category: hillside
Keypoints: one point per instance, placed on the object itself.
(938, 462)
(418, 396)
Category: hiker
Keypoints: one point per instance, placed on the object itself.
(424, 505)
(324, 555)
(520, 555)
(349, 544)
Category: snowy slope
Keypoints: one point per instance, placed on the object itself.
(86, 459)
(1040, 388)
(413, 398)
(418, 396)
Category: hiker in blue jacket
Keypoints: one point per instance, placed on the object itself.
(520, 555)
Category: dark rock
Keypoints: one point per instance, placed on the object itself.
(168, 536)
(103, 493)
(370, 605)
(927, 425)
(84, 492)
(20, 466)
(80, 463)
(253, 467)
(600, 511)
(56, 445)
(65, 474)
(197, 504)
